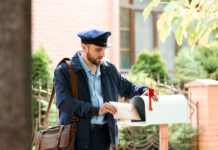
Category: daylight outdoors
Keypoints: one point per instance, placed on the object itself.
(170, 46)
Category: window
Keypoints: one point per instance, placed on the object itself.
(137, 34)
(125, 36)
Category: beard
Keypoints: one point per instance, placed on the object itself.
(95, 61)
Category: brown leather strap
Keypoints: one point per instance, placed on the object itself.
(73, 80)
(59, 134)
(74, 88)
(37, 144)
(73, 83)
(63, 60)
(49, 107)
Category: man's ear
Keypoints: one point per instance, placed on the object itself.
(85, 48)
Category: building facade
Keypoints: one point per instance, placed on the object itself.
(55, 25)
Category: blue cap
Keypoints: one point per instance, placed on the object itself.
(96, 37)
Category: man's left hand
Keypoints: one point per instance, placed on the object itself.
(146, 93)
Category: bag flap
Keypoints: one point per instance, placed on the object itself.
(65, 137)
(50, 137)
(37, 137)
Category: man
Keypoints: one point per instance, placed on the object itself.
(99, 82)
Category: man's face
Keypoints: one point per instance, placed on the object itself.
(95, 53)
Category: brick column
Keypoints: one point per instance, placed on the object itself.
(205, 92)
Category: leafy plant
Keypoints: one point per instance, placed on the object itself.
(139, 137)
(187, 68)
(150, 64)
(40, 70)
(195, 20)
(140, 78)
(201, 63)
(208, 58)
(180, 136)
(41, 67)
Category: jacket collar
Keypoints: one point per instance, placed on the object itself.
(77, 66)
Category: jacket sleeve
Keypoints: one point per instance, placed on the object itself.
(125, 87)
(64, 100)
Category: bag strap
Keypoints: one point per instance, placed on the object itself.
(74, 88)
(73, 80)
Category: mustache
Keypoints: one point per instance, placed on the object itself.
(99, 57)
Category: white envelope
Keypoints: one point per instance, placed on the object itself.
(125, 111)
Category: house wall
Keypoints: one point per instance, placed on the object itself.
(55, 25)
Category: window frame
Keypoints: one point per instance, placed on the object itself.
(133, 8)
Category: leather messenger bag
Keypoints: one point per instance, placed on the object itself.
(58, 137)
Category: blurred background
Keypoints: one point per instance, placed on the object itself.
(164, 44)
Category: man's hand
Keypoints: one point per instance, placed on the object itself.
(146, 93)
(107, 108)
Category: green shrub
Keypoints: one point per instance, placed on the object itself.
(139, 137)
(200, 63)
(40, 70)
(150, 64)
(180, 136)
(142, 78)
(139, 78)
(208, 57)
(187, 68)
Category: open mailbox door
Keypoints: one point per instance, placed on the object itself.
(169, 109)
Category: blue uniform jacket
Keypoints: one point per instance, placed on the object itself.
(112, 85)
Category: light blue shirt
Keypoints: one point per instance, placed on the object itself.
(94, 81)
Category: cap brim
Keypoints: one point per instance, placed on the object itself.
(102, 45)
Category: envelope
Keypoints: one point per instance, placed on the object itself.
(125, 111)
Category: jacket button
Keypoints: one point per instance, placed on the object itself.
(86, 146)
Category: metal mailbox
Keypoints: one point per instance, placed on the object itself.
(169, 109)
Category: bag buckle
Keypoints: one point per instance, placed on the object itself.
(74, 119)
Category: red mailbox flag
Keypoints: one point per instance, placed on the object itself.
(151, 93)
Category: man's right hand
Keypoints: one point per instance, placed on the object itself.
(107, 108)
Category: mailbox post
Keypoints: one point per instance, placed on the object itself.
(163, 137)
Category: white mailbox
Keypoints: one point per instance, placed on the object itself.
(169, 109)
